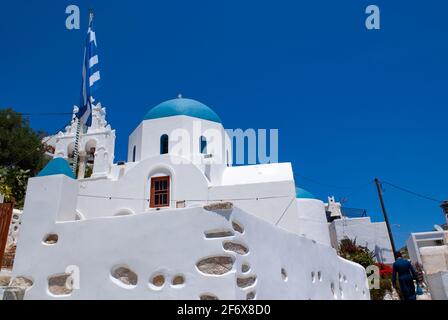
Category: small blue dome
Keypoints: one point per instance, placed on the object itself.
(182, 107)
(57, 166)
(303, 194)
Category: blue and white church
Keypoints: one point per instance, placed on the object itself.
(177, 220)
(164, 225)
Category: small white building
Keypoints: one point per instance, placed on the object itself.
(176, 221)
(372, 235)
(430, 249)
(420, 240)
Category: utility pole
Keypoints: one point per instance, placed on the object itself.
(386, 219)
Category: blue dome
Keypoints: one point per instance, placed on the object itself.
(303, 194)
(182, 107)
(57, 166)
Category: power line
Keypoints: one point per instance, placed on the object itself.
(359, 189)
(37, 147)
(193, 200)
(321, 183)
(284, 212)
(334, 186)
(45, 114)
(412, 192)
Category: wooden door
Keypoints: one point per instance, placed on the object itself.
(5, 221)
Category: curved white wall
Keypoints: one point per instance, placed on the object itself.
(313, 220)
(170, 243)
(146, 138)
(103, 197)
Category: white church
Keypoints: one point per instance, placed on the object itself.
(174, 223)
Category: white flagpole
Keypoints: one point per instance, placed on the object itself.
(76, 151)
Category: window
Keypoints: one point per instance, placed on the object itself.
(203, 145)
(134, 153)
(91, 156)
(160, 192)
(164, 144)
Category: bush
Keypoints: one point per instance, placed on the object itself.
(21, 155)
(348, 249)
(385, 288)
(13, 182)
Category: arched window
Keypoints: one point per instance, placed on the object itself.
(164, 144)
(203, 145)
(134, 153)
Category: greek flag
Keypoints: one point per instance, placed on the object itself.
(90, 76)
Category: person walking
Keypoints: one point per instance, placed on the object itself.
(406, 276)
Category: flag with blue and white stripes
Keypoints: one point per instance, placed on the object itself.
(90, 76)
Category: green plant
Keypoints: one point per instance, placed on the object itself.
(20, 145)
(13, 182)
(5, 191)
(348, 249)
(88, 172)
(21, 155)
(385, 288)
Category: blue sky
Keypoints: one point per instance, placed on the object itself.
(350, 104)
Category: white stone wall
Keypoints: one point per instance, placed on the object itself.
(16, 221)
(313, 220)
(171, 243)
(435, 264)
(420, 240)
(131, 191)
(371, 235)
(438, 285)
(266, 191)
(146, 137)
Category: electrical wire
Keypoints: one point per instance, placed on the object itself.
(359, 189)
(411, 192)
(284, 212)
(192, 200)
(45, 114)
(330, 185)
(37, 148)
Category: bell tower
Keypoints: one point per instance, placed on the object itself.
(96, 144)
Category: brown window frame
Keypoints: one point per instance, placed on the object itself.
(162, 194)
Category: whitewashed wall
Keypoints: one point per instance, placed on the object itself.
(171, 242)
(371, 235)
(146, 137)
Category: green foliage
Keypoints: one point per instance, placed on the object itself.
(21, 155)
(88, 172)
(13, 183)
(20, 145)
(5, 191)
(348, 249)
(385, 287)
